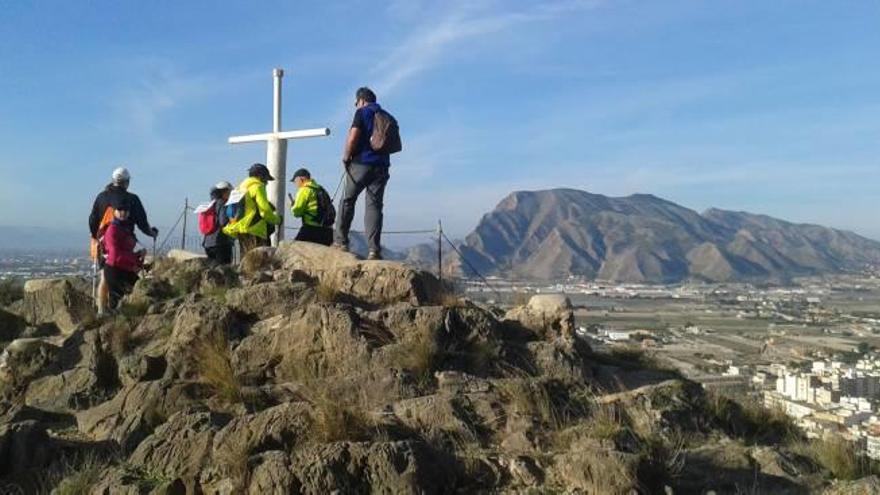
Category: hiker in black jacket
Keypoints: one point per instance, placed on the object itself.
(117, 193)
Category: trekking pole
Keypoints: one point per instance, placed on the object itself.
(154, 249)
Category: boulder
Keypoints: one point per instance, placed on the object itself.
(63, 302)
(150, 290)
(24, 359)
(277, 428)
(11, 326)
(272, 474)
(548, 315)
(135, 411)
(24, 445)
(85, 375)
(367, 282)
(266, 300)
(315, 340)
(184, 275)
(588, 467)
(183, 255)
(195, 324)
(869, 485)
(180, 448)
(378, 467)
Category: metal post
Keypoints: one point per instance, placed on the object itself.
(185, 213)
(440, 251)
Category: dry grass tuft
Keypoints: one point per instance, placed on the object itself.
(119, 335)
(750, 420)
(215, 369)
(73, 476)
(837, 455)
(606, 421)
(234, 461)
(326, 293)
(335, 421)
(420, 356)
(532, 398)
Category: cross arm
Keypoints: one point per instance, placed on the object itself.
(301, 134)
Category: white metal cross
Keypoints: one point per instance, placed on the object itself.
(276, 151)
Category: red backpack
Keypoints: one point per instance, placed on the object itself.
(208, 220)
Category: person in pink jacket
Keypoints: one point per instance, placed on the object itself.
(122, 262)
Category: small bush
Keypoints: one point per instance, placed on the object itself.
(218, 294)
(215, 369)
(186, 281)
(420, 356)
(750, 420)
(73, 476)
(234, 460)
(606, 422)
(11, 290)
(531, 398)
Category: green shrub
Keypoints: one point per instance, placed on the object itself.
(11, 290)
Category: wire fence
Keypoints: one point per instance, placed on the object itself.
(192, 241)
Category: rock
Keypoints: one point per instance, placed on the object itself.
(366, 282)
(314, 340)
(198, 323)
(184, 275)
(589, 468)
(548, 315)
(276, 428)
(150, 290)
(141, 367)
(25, 359)
(24, 445)
(259, 262)
(218, 278)
(135, 411)
(272, 474)
(63, 302)
(180, 448)
(379, 467)
(86, 376)
(11, 326)
(182, 255)
(266, 300)
(558, 359)
(869, 485)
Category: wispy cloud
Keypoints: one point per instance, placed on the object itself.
(429, 42)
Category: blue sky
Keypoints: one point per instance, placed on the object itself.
(769, 107)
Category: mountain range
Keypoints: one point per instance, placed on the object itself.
(552, 234)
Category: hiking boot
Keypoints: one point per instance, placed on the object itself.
(374, 255)
(341, 247)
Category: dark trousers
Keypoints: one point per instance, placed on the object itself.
(221, 254)
(318, 235)
(359, 177)
(246, 242)
(119, 283)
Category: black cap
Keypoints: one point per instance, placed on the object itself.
(260, 170)
(301, 173)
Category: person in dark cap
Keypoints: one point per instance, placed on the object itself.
(258, 219)
(122, 262)
(218, 246)
(315, 207)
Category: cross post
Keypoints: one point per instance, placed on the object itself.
(276, 151)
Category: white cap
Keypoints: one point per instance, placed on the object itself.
(121, 175)
(222, 185)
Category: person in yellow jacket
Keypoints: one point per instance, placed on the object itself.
(315, 207)
(253, 226)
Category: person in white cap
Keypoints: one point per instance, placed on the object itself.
(102, 215)
(218, 246)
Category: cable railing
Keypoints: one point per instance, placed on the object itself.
(193, 243)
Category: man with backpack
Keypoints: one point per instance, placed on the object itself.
(315, 207)
(218, 246)
(252, 219)
(373, 137)
(103, 214)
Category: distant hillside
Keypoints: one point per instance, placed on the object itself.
(642, 238)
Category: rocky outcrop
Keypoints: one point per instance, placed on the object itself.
(64, 303)
(371, 282)
(306, 370)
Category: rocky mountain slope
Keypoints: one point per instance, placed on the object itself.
(555, 233)
(308, 371)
